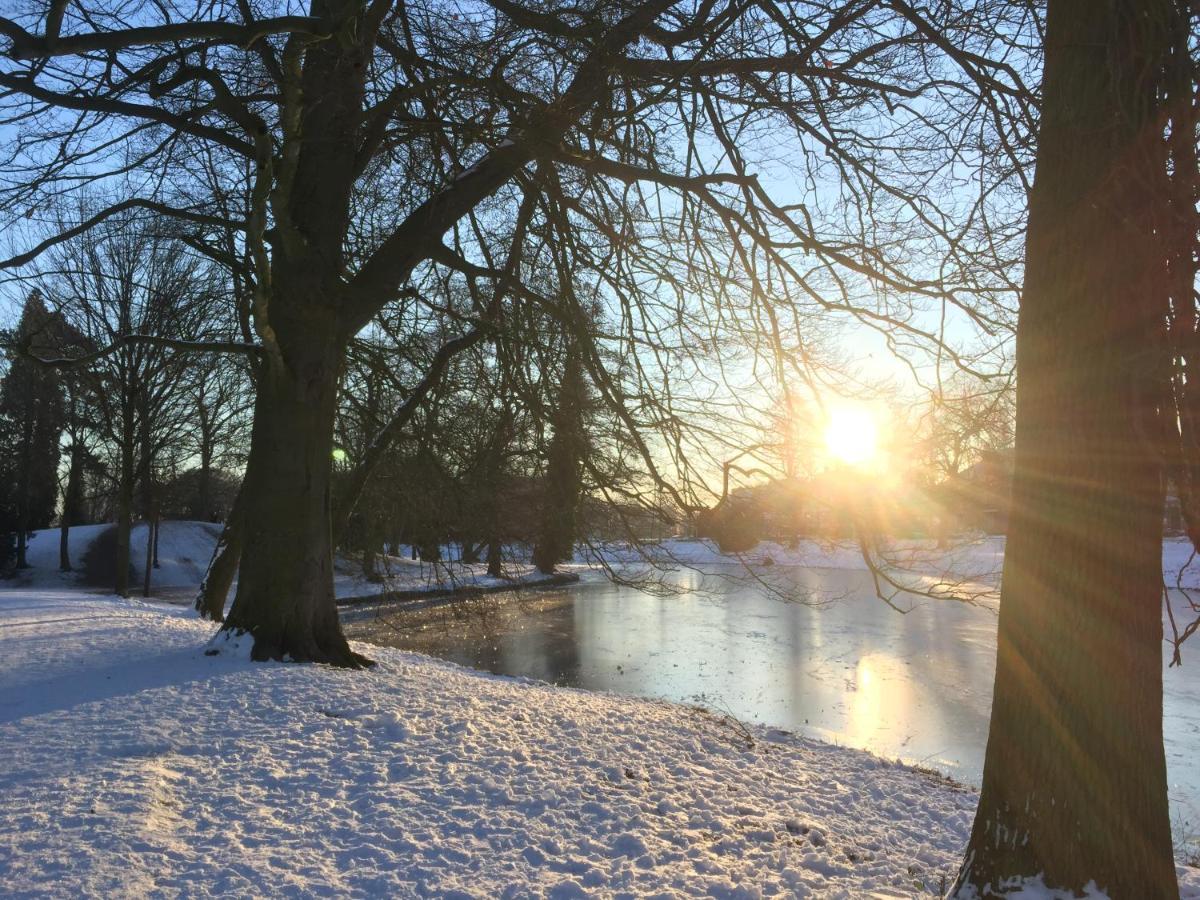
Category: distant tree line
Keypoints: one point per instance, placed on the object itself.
(100, 428)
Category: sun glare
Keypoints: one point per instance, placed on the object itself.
(852, 435)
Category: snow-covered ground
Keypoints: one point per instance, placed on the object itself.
(135, 765)
(185, 549)
(968, 557)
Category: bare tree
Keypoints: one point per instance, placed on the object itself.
(967, 418)
(126, 279)
(1074, 780)
(643, 139)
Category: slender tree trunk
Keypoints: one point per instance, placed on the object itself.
(495, 558)
(147, 504)
(146, 576)
(64, 544)
(561, 483)
(371, 542)
(214, 590)
(1074, 782)
(70, 511)
(285, 593)
(370, 573)
(124, 517)
(204, 510)
(23, 490)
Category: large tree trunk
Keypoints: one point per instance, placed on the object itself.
(1074, 782)
(285, 596)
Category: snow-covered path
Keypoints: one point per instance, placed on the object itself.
(136, 765)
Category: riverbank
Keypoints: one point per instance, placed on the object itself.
(970, 565)
(423, 597)
(150, 766)
(185, 549)
(135, 764)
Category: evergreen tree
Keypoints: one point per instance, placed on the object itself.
(31, 422)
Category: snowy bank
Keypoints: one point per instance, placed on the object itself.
(137, 765)
(185, 549)
(976, 557)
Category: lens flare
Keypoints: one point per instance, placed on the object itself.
(852, 436)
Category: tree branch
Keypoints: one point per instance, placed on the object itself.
(135, 203)
(23, 349)
(32, 46)
(353, 488)
(30, 88)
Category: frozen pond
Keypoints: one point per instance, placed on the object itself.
(850, 670)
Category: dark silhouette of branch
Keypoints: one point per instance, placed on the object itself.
(181, 346)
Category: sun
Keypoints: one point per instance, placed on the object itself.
(852, 435)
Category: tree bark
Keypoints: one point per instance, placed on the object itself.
(561, 484)
(23, 490)
(214, 590)
(124, 516)
(1074, 782)
(308, 310)
(203, 510)
(285, 593)
(495, 558)
(64, 544)
(70, 511)
(146, 576)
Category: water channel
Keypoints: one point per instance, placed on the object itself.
(837, 664)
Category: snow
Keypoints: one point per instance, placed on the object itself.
(42, 555)
(185, 549)
(1035, 889)
(404, 575)
(975, 557)
(136, 764)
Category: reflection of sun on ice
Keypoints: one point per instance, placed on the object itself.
(852, 435)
